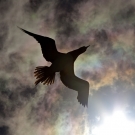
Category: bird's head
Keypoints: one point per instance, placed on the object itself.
(84, 48)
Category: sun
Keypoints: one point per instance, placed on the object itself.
(116, 124)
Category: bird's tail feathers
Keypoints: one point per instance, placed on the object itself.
(44, 75)
(83, 97)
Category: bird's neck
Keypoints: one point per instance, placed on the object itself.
(75, 53)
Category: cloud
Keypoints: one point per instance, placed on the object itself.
(4, 130)
(108, 64)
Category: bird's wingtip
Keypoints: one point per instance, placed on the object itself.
(87, 46)
(19, 27)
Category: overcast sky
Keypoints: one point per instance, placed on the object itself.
(108, 65)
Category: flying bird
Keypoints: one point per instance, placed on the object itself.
(63, 63)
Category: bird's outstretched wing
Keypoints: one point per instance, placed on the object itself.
(48, 46)
(75, 83)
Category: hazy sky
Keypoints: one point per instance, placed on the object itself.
(108, 65)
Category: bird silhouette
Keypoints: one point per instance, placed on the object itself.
(63, 63)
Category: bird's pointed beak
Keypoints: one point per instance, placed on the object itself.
(87, 46)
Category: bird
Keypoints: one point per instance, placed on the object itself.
(62, 63)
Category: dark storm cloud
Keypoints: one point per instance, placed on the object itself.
(34, 4)
(12, 99)
(14, 60)
(124, 17)
(4, 130)
(53, 103)
(102, 42)
(28, 92)
(66, 14)
(101, 36)
(4, 8)
(2, 112)
(3, 34)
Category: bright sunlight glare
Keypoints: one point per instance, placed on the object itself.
(116, 124)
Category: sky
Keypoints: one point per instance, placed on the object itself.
(108, 64)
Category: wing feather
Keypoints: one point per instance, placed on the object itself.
(47, 44)
(77, 84)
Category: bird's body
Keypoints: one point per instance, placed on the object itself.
(63, 63)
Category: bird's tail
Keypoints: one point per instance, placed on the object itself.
(44, 75)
